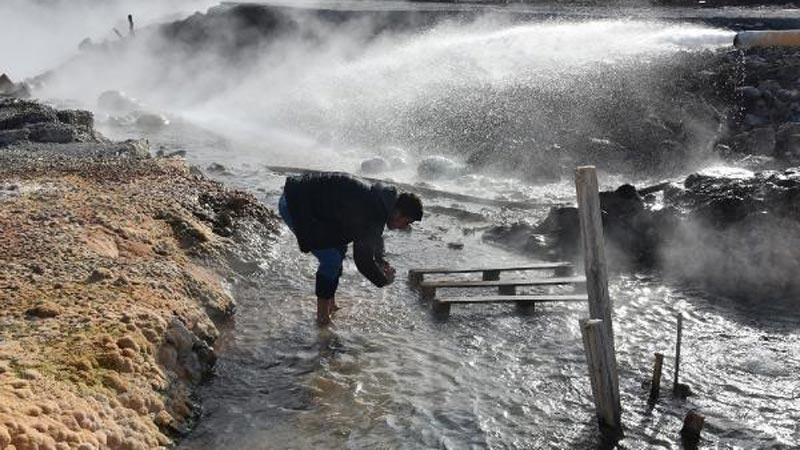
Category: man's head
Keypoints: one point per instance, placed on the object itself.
(407, 209)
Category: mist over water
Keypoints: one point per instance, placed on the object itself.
(487, 91)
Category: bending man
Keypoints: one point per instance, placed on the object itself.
(327, 211)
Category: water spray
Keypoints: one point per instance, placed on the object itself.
(749, 39)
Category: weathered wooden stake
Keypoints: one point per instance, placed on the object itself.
(507, 290)
(604, 391)
(655, 384)
(677, 354)
(594, 252)
(441, 311)
(692, 426)
(490, 275)
(415, 278)
(428, 293)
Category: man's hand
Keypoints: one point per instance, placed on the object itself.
(389, 272)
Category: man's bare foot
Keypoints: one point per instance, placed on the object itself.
(324, 310)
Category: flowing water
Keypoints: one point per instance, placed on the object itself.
(386, 375)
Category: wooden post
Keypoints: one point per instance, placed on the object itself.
(599, 357)
(441, 311)
(526, 308)
(594, 252)
(655, 384)
(428, 293)
(606, 393)
(692, 426)
(507, 290)
(564, 271)
(491, 275)
(415, 278)
(677, 354)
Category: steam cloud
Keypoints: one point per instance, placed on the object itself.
(487, 90)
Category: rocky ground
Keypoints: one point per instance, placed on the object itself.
(116, 275)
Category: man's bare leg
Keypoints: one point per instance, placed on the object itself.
(324, 311)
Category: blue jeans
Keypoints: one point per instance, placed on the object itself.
(330, 259)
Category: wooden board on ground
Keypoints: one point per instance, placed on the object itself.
(504, 287)
(538, 266)
(501, 283)
(514, 298)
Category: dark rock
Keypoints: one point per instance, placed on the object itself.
(176, 154)
(44, 310)
(76, 117)
(787, 140)
(709, 228)
(133, 148)
(8, 137)
(54, 132)
(763, 141)
(755, 120)
(100, 274)
(217, 168)
(6, 85)
(455, 245)
(15, 113)
(10, 89)
(22, 120)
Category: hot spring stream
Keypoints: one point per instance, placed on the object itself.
(386, 375)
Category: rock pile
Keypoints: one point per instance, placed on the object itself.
(736, 235)
(766, 120)
(23, 120)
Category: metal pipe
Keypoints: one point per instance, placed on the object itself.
(785, 38)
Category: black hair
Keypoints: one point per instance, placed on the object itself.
(409, 205)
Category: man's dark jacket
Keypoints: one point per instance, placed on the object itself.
(330, 210)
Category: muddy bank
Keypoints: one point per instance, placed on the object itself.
(117, 273)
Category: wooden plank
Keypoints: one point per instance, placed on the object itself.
(513, 298)
(499, 283)
(444, 270)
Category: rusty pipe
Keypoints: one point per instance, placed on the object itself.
(785, 38)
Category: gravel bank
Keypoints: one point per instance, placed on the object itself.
(116, 275)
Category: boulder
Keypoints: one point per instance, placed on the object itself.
(117, 102)
(10, 89)
(787, 140)
(439, 167)
(152, 121)
(762, 141)
(374, 165)
(54, 132)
